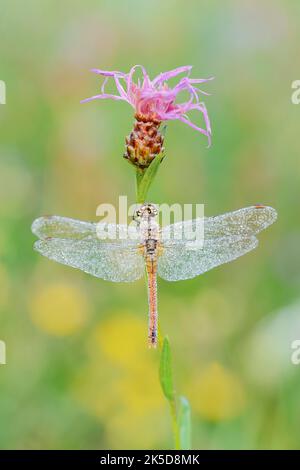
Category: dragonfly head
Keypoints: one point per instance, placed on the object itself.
(145, 211)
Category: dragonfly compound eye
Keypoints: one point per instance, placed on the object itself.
(151, 210)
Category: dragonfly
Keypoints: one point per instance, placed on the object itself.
(166, 252)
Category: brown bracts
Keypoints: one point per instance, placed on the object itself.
(144, 142)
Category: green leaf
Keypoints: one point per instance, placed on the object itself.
(145, 179)
(184, 423)
(165, 370)
(164, 131)
(139, 177)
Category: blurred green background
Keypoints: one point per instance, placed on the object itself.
(78, 372)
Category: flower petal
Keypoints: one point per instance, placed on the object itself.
(203, 110)
(200, 80)
(103, 96)
(155, 99)
(146, 81)
(108, 73)
(172, 73)
(120, 89)
(199, 129)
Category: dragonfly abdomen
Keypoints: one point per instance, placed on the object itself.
(151, 267)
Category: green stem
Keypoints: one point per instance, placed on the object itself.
(166, 382)
(179, 406)
(138, 178)
(175, 425)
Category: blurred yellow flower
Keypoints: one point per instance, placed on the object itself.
(120, 384)
(121, 339)
(217, 394)
(58, 308)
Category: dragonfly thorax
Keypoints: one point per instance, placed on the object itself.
(151, 247)
(149, 230)
(148, 226)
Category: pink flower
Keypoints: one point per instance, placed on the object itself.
(154, 100)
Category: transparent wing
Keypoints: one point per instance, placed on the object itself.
(110, 261)
(226, 238)
(179, 261)
(241, 223)
(55, 226)
(63, 227)
(103, 250)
